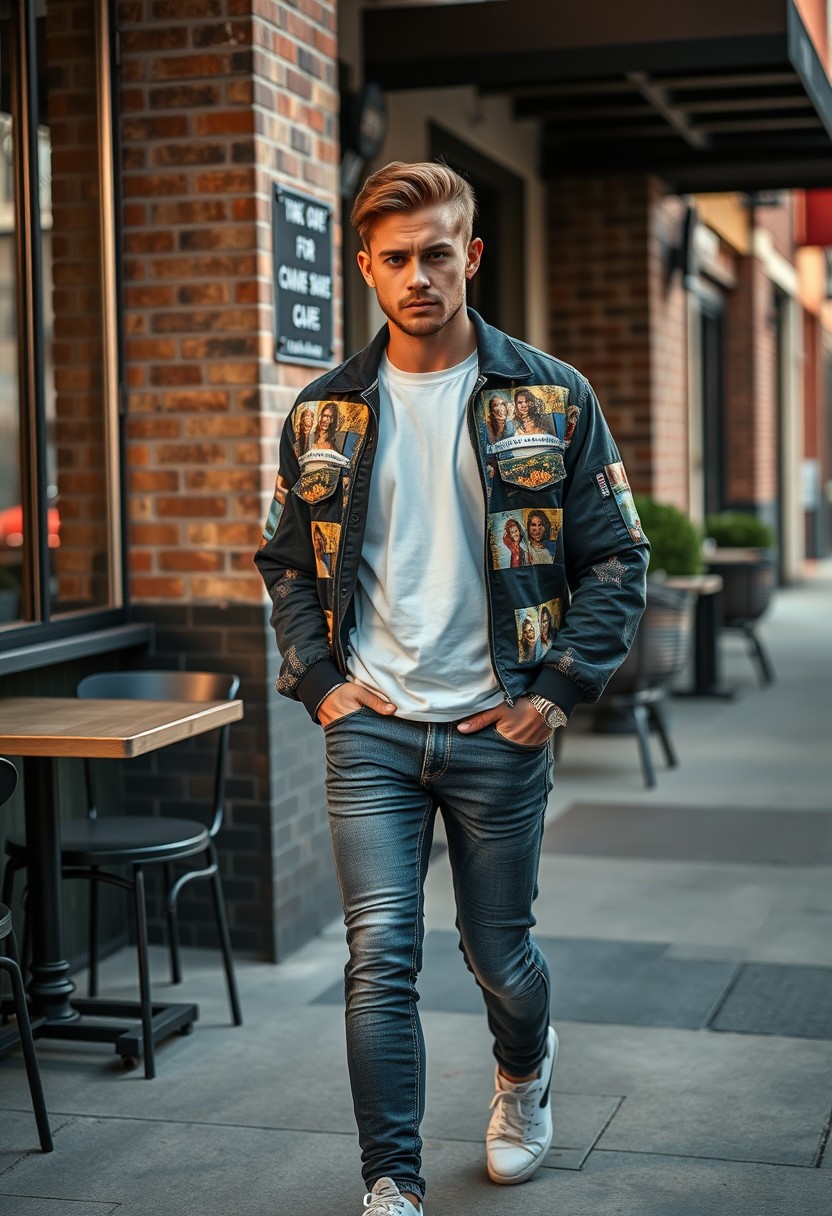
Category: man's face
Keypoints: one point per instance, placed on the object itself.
(418, 262)
(528, 631)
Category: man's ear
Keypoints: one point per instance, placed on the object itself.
(364, 264)
(473, 256)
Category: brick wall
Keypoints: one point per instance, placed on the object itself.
(220, 99)
(751, 435)
(615, 315)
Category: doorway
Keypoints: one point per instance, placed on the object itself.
(497, 291)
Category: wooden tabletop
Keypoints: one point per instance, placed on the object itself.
(70, 726)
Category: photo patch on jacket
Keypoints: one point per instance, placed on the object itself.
(536, 627)
(521, 420)
(273, 517)
(526, 537)
(327, 432)
(325, 540)
(615, 482)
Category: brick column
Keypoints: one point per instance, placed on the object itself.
(621, 320)
(751, 429)
(219, 100)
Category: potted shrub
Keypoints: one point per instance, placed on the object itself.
(675, 541)
(744, 559)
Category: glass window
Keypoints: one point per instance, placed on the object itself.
(11, 521)
(57, 413)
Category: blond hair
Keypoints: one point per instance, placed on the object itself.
(400, 186)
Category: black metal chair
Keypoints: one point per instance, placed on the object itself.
(638, 690)
(9, 964)
(748, 582)
(88, 845)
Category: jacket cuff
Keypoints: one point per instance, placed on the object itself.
(319, 680)
(555, 686)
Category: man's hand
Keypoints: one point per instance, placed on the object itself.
(521, 723)
(346, 698)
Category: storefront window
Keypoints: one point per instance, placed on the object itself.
(57, 412)
(11, 523)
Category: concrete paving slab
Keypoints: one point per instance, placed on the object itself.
(772, 999)
(698, 1094)
(225, 1075)
(25, 1205)
(692, 833)
(146, 1167)
(633, 983)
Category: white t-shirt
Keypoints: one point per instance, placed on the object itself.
(421, 631)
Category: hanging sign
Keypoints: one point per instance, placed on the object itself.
(302, 236)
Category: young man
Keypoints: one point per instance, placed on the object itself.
(408, 649)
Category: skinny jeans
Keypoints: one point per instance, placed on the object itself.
(386, 779)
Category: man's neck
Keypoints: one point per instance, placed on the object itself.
(434, 352)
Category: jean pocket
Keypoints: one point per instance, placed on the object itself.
(346, 717)
(522, 747)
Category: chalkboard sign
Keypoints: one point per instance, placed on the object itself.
(302, 230)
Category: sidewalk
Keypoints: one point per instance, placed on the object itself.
(689, 931)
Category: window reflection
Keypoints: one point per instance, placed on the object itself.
(11, 523)
(69, 171)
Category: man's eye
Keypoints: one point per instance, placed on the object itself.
(395, 260)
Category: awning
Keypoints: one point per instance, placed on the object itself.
(711, 96)
(817, 218)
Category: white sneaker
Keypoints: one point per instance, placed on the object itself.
(520, 1132)
(386, 1199)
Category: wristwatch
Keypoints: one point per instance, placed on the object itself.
(551, 714)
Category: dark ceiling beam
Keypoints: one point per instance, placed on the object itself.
(747, 125)
(728, 80)
(677, 118)
(727, 105)
(528, 108)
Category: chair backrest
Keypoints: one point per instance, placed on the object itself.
(166, 686)
(662, 642)
(8, 780)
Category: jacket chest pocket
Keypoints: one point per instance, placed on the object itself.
(540, 470)
(318, 484)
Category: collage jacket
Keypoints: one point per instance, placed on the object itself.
(562, 612)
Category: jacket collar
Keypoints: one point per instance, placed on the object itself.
(497, 353)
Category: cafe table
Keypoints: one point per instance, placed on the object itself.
(42, 730)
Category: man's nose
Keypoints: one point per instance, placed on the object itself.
(418, 276)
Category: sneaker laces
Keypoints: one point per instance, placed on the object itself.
(516, 1112)
(384, 1205)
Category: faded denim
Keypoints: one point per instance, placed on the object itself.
(386, 778)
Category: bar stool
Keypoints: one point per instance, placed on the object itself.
(8, 782)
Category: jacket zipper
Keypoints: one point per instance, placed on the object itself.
(481, 380)
(337, 609)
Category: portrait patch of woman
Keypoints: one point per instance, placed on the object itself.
(529, 643)
(498, 424)
(324, 434)
(530, 417)
(323, 558)
(541, 546)
(306, 422)
(572, 416)
(546, 630)
(516, 543)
